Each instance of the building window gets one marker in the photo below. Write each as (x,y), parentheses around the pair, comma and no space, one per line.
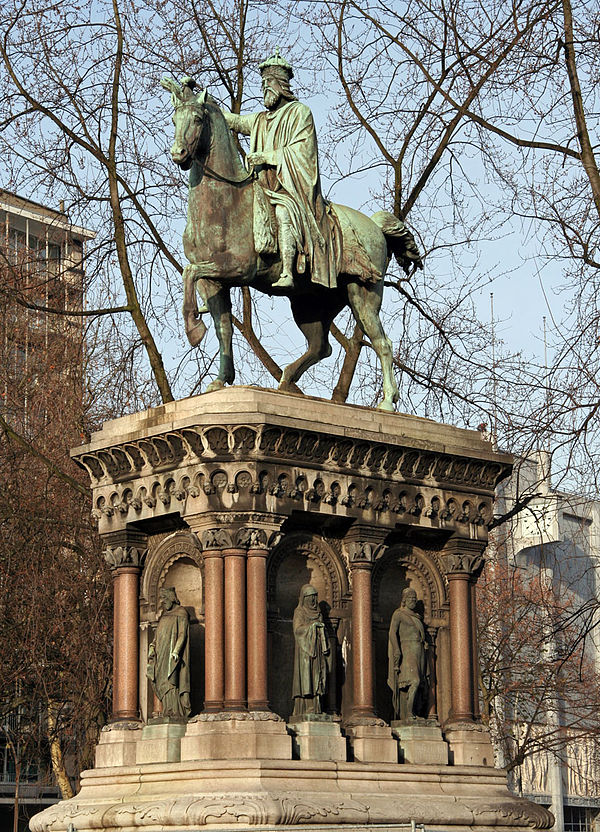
(577,819)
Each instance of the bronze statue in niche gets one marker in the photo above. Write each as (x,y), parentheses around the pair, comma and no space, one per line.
(310,654)
(407,667)
(169,657)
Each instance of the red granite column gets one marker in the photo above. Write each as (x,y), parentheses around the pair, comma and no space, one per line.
(257,629)
(125,562)
(474,647)
(214,675)
(461,647)
(235,629)
(463,564)
(362,640)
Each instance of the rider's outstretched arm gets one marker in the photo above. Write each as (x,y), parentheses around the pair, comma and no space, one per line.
(240,124)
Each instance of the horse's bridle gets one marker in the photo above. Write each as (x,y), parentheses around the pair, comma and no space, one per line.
(212,174)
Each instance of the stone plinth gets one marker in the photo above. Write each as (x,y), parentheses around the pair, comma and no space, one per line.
(318,739)
(160,742)
(421,743)
(236,736)
(470,745)
(372,743)
(117,745)
(190,796)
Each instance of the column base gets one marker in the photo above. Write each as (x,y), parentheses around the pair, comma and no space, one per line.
(470,744)
(371,741)
(161,741)
(421,743)
(117,744)
(237,735)
(317,738)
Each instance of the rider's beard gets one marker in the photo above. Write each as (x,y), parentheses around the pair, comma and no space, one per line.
(271,99)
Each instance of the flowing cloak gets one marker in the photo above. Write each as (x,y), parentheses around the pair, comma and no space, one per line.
(288,139)
(406,641)
(171,678)
(310,662)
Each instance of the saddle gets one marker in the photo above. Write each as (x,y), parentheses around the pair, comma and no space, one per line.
(351,257)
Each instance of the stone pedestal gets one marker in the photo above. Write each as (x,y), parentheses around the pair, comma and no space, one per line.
(117,744)
(421,743)
(372,743)
(236,736)
(470,745)
(160,742)
(317,739)
(237,499)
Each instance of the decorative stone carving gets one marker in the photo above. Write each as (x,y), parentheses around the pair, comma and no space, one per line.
(300,447)
(463,562)
(216,539)
(117,556)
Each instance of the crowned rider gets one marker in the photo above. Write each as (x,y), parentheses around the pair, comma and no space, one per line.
(283,150)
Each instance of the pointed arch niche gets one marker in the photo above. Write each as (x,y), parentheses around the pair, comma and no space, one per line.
(401,566)
(302,558)
(174,560)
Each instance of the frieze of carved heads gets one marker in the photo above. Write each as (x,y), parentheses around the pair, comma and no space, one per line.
(269,443)
(118,556)
(406,502)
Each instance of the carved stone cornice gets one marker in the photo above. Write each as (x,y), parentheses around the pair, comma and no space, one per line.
(120,556)
(190,445)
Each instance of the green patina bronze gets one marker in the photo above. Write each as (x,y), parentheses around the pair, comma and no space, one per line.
(268,226)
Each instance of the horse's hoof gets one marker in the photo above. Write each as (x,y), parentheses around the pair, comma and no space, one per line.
(386,406)
(217,384)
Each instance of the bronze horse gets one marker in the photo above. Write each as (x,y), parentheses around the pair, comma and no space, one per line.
(219,244)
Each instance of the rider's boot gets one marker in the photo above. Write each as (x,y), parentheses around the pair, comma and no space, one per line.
(287,250)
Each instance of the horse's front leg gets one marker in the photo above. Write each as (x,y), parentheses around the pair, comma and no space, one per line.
(218,301)
(195,328)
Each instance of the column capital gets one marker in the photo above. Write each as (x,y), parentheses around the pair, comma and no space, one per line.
(121,557)
(362,554)
(463,559)
(241,538)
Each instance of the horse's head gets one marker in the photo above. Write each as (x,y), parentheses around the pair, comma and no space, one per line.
(188,118)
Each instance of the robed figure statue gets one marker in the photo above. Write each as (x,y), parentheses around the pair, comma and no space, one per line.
(169,657)
(310,654)
(407,670)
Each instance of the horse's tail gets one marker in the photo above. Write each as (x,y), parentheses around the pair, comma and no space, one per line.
(400,241)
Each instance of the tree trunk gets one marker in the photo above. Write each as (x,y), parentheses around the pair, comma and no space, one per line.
(56,753)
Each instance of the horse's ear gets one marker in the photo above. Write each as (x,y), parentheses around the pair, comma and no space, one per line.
(171,85)
(201,97)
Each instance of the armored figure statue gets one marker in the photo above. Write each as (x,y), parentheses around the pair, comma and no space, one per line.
(310,654)
(406,658)
(283,151)
(169,657)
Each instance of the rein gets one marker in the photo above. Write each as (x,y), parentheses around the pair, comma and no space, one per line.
(218,177)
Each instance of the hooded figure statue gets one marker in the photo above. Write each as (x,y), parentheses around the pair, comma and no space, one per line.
(310,662)
(169,657)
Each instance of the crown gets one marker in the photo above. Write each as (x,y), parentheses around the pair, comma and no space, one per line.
(276,62)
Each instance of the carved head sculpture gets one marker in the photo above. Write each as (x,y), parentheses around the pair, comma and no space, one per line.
(276,74)
(309,597)
(409,598)
(168,598)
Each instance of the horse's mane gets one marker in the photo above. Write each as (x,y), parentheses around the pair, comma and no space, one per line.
(221,128)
